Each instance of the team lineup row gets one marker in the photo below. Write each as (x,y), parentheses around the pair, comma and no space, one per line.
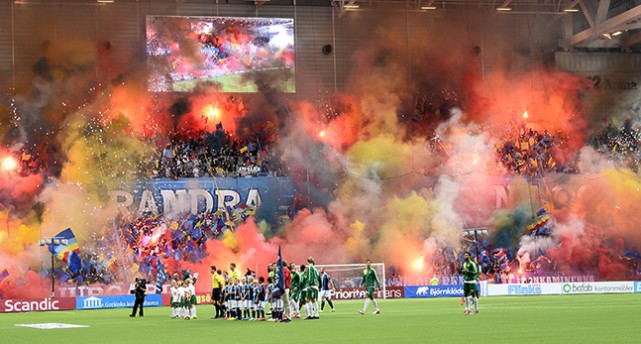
(288,291)
(289,288)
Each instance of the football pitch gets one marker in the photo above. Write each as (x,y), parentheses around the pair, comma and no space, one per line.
(528,319)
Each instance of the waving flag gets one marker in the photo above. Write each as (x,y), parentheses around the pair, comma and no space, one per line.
(541,225)
(279,277)
(500,258)
(4,275)
(161,277)
(69,253)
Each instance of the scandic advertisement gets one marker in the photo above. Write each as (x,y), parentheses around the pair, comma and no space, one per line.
(37,305)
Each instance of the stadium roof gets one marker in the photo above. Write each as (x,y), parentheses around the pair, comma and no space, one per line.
(586,23)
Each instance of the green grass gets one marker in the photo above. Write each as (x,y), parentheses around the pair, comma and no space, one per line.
(238,82)
(534,319)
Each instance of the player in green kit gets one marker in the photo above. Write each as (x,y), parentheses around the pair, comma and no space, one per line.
(295,289)
(303,291)
(312,279)
(371,282)
(470,280)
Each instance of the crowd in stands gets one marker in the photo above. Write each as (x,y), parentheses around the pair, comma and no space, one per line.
(619,144)
(528,154)
(33,159)
(142,245)
(217,154)
(181,238)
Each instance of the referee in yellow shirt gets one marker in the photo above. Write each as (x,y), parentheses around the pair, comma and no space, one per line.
(217,285)
(233,273)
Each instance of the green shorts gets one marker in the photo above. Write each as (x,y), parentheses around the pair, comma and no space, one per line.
(312,294)
(370,292)
(470,289)
(295,295)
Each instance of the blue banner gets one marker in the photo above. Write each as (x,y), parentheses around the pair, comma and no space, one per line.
(434,291)
(198,195)
(116,301)
(637,287)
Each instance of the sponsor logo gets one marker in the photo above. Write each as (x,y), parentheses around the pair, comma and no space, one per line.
(119,301)
(434,291)
(48,304)
(574,288)
(355,293)
(203,298)
(525,289)
(423,291)
(637,287)
(598,288)
(92,302)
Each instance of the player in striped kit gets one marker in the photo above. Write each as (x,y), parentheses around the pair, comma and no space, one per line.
(249,299)
(327,287)
(259,298)
(243,290)
(227,300)
(275,303)
(235,299)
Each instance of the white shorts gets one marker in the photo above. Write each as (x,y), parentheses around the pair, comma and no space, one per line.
(248,304)
(260,305)
(325,294)
(276,304)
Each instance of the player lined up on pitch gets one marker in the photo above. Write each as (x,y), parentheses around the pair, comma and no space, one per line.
(183,300)
(245,298)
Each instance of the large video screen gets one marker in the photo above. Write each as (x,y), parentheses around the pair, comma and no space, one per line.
(233,54)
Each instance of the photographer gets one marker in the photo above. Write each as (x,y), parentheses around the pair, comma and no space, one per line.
(139,292)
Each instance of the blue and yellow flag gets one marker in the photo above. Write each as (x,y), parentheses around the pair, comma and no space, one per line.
(69,253)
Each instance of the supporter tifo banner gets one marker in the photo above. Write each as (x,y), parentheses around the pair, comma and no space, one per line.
(111,289)
(500,192)
(562,288)
(359,293)
(117,301)
(37,305)
(206,194)
(197,195)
